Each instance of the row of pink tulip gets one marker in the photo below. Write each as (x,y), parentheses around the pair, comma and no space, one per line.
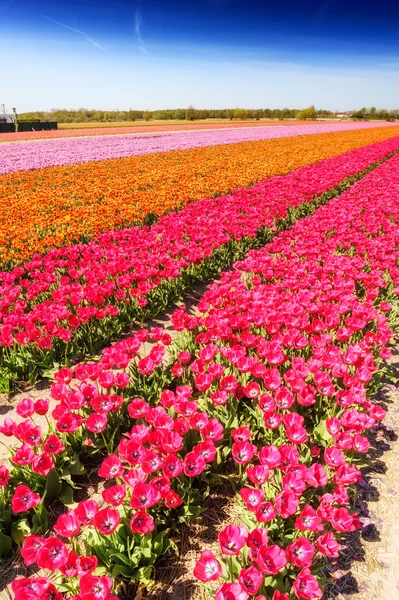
(72,301)
(277,369)
(307,319)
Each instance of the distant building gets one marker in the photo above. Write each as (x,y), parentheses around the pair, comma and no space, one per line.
(7,118)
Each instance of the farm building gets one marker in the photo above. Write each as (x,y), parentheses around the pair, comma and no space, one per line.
(7,118)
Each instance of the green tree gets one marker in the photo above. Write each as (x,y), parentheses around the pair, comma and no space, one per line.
(359,114)
(241,113)
(190,113)
(307,114)
(179,114)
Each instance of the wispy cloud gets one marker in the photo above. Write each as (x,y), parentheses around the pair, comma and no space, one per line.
(137,27)
(87,38)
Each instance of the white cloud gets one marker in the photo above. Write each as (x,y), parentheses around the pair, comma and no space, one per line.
(137,27)
(89,39)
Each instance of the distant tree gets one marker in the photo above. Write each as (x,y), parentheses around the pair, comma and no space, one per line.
(383,114)
(161,115)
(359,114)
(179,114)
(190,113)
(286,113)
(240,113)
(307,114)
(85,115)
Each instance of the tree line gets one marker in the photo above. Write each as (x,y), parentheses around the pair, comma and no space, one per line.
(84,115)
(376,114)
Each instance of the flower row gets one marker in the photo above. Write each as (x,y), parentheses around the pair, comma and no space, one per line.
(72,300)
(313,305)
(48,153)
(58,206)
(276,370)
(77,130)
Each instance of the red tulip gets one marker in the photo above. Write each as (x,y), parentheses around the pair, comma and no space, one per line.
(250,579)
(271,559)
(30,548)
(141,522)
(67,525)
(24,499)
(231,591)
(306,586)
(52,555)
(328,545)
(114,495)
(111,467)
(85,511)
(207,567)
(300,553)
(4,476)
(144,496)
(232,538)
(94,588)
(106,520)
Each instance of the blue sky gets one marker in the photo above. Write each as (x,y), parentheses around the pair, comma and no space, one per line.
(145,54)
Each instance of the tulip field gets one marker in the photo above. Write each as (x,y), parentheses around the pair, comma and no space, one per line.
(60,205)
(268,384)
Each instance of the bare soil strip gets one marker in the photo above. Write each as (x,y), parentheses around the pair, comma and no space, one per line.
(368,568)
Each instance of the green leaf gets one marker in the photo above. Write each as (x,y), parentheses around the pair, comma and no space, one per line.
(66,496)
(144,575)
(120,558)
(49,373)
(321,434)
(120,570)
(39,520)
(65,587)
(5,544)
(19,530)
(75,467)
(66,476)
(158,543)
(7,517)
(53,484)
(169,544)
(123,533)
(5,384)
(100,571)
(146,547)
(189,512)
